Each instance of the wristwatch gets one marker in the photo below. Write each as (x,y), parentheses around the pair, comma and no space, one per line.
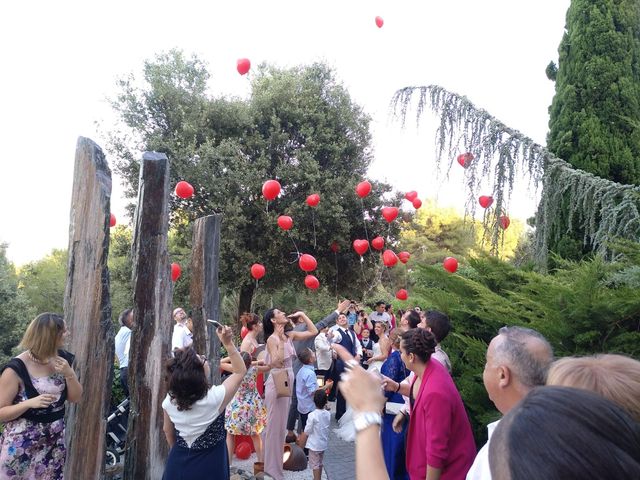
(364,420)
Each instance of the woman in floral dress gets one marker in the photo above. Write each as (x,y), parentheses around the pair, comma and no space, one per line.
(246,413)
(34,387)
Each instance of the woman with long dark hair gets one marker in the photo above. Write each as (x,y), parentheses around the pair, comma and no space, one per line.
(194,413)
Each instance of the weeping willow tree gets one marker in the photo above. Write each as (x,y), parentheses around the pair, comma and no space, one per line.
(571,199)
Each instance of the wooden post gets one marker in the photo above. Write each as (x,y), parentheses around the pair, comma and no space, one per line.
(87,309)
(204,292)
(147,447)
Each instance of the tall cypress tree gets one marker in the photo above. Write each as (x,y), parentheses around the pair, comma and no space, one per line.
(595,114)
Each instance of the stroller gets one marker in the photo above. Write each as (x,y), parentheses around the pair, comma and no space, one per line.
(116,433)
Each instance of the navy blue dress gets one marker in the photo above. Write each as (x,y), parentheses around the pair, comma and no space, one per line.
(392,442)
(207,457)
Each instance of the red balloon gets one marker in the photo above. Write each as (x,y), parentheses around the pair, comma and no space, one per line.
(411,196)
(389,258)
(311,282)
(378,243)
(404,256)
(243,450)
(402,294)
(450,264)
(379,22)
(313,200)
(285,222)
(464,159)
(243,332)
(417,203)
(363,189)
(243,66)
(271,189)
(360,246)
(258,271)
(176,271)
(390,213)
(112,220)
(485,201)
(505,222)
(335,247)
(307,262)
(184,189)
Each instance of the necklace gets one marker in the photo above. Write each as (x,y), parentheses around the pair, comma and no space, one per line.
(35,359)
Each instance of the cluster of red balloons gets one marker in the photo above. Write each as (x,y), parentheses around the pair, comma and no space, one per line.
(412,196)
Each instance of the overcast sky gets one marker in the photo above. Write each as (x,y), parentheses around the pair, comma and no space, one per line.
(61,61)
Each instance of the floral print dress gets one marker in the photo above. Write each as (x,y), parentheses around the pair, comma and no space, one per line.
(30,450)
(246,413)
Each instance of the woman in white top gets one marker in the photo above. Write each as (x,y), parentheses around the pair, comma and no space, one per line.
(380,349)
(193,423)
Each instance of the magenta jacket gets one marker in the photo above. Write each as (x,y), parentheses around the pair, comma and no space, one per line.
(439,429)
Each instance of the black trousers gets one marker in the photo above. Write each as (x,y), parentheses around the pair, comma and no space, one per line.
(293,411)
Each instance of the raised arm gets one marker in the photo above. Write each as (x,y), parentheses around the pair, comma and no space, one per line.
(238,369)
(311,331)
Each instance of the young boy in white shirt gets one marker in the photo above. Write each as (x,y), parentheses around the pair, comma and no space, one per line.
(316,433)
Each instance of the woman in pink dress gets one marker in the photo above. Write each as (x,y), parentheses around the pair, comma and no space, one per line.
(280,355)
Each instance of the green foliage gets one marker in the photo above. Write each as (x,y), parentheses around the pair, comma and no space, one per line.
(43,281)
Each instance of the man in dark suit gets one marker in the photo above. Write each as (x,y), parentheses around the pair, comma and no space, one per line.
(347,338)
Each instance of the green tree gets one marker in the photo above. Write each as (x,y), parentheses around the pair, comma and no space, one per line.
(595,114)
(43,281)
(299,126)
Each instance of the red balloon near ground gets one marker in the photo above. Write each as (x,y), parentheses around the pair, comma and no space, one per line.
(505,222)
(465,159)
(378,243)
(379,22)
(184,189)
(411,196)
(417,203)
(389,258)
(258,271)
(311,282)
(485,201)
(176,271)
(271,189)
(112,220)
(307,262)
(404,256)
(360,246)
(402,294)
(285,222)
(313,200)
(450,264)
(243,65)
(243,332)
(335,247)
(363,189)
(390,213)
(243,450)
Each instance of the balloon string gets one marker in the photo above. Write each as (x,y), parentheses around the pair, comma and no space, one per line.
(364,222)
(313,220)
(335,256)
(294,243)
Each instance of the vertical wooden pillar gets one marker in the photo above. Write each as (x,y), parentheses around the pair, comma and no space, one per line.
(87,309)
(147,448)
(204,291)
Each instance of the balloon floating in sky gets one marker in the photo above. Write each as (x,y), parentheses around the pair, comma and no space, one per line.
(411,196)
(313,200)
(243,66)
(505,222)
(285,222)
(417,203)
(464,159)
(390,213)
(112,220)
(311,282)
(402,294)
(271,189)
(389,258)
(176,271)
(307,262)
(335,247)
(360,246)
(450,264)
(485,201)
(363,189)
(379,22)
(404,256)
(378,243)
(243,450)
(184,190)
(258,271)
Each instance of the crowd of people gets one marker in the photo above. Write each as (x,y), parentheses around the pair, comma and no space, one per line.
(387,380)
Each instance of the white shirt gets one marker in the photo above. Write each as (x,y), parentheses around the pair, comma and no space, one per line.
(383,317)
(122,346)
(318,430)
(323,352)
(337,338)
(181,337)
(193,422)
(441,356)
(480,468)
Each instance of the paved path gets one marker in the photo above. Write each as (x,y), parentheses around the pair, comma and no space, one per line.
(340,458)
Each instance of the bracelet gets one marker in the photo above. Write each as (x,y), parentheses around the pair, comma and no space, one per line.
(397,389)
(363,420)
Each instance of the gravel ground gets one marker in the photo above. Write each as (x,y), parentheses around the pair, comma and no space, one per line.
(247,465)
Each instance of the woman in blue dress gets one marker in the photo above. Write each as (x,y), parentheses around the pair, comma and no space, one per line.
(392,442)
(194,413)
